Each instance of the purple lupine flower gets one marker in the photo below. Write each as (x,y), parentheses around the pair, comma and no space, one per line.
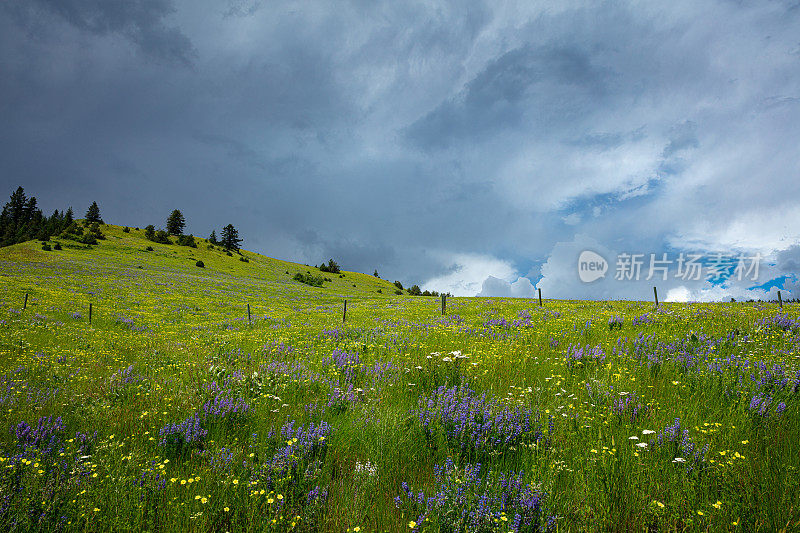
(584,355)
(46,436)
(316,495)
(181,437)
(471,499)
(475,422)
(223,407)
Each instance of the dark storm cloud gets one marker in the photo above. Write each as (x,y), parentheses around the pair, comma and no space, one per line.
(440,141)
(233,148)
(140,21)
(548,80)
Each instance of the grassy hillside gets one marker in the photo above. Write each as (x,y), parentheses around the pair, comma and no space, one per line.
(172,411)
(122,259)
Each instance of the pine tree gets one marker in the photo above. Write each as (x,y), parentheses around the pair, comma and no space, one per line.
(21,219)
(176,223)
(11,216)
(16,205)
(53,224)
(93,214)
(230,238)
(213,237)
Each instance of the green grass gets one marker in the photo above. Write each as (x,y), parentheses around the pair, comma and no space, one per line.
(186,333)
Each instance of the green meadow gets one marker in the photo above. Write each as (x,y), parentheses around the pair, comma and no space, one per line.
(175,410)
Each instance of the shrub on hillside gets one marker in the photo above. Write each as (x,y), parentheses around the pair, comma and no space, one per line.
(87,238)
(200,264)
(309,279)
(162,237)
(187,240)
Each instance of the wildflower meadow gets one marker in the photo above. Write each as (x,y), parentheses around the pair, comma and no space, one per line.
(234,397)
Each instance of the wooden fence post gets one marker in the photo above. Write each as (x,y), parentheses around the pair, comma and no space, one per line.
(655,294)
(90,313)
(780,300)
(248,315)
(540,297)
(344,313)
(25,305)
(444,303)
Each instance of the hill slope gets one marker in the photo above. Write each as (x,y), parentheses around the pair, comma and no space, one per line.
(122,275)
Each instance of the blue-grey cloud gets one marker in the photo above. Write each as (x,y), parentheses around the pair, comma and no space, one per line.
(524,84)
(142,22)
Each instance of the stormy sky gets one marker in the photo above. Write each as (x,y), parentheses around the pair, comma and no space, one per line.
(469,147)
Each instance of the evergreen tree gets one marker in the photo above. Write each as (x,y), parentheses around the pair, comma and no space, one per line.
(176,223)
(213,237)
(30,209)
(69,217)
(22,219)
(11,217)
(230,238)
(52,225)
(414,290)
(93,214)
(16,205)
(150,232)
(332,267)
